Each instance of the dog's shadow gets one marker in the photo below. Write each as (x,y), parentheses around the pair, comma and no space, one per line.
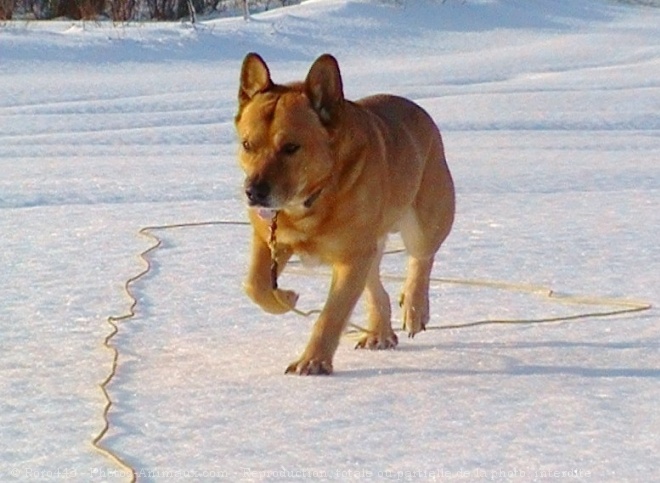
(503,363)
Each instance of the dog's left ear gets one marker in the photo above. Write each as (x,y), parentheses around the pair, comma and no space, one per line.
(324,89)
(255,78)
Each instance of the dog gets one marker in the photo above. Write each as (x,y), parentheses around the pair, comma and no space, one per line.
(337,177)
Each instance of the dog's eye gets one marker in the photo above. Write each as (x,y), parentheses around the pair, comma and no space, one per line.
(290,148)
(247,146)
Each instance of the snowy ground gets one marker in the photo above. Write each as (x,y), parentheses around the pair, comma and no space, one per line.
(550,112)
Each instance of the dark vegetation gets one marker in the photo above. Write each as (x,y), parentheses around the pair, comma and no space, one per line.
(127,10)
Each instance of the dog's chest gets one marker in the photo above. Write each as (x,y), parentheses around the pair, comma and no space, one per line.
(310,250)
(312,245)
(309,260)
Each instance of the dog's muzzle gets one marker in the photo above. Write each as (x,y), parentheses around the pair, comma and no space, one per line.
(258,193)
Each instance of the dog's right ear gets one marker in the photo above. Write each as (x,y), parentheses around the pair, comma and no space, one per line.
(255,78)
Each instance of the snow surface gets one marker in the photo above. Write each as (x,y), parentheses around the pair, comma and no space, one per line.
(550,112)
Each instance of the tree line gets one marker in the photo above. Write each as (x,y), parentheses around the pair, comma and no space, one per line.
(127,10)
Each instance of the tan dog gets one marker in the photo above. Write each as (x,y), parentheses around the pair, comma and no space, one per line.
(340,175)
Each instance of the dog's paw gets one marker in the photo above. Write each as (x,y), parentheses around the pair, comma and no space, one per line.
(276,301)
(378,341)
(310,367)
(415,313)
(286,299)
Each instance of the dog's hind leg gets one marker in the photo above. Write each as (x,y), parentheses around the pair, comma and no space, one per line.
(379,334)
(424,227)
(414,299)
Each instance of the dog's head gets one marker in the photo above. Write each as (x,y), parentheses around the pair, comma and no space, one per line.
(286,133)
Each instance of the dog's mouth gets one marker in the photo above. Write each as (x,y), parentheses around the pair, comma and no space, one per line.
(267,207)
(268,213)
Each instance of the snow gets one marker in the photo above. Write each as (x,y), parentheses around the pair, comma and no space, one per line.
(550,117)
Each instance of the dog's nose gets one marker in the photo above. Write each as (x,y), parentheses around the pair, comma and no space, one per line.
(258,193)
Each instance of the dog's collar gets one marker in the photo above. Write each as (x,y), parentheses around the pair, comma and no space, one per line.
(310,201)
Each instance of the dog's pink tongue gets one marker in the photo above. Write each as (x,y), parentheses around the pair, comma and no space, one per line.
(266,213)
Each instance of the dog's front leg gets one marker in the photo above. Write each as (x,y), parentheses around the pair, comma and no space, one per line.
(348,281)
(258,284)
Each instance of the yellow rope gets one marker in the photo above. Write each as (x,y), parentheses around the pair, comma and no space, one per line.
(619,306)
(113,322)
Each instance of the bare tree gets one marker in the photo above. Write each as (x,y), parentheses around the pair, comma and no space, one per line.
(79,9)
(122,10)
(6,9)
(192,12)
